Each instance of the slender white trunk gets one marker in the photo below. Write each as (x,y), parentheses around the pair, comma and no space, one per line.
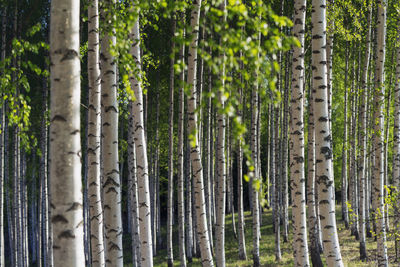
(378,134)
(284,147)
(110,164)
(311,189)
(181,197)
(241,232)
(300,247)
(277,186)
(362,171)
(221,171)
(65,147)
(323,136)
(93,136)
(345,212)
(202,226)
(189,211)
(253,180)
(171,154)
(146,247)
(132,191)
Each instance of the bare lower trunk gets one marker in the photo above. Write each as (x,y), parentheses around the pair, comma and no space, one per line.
(133,192)
(93,136)
(362,170)
(146,251)
(195,157)
(241,232)
(66,183)
(171,155)
(300,247)
(111,174)
(378,171)
(255,181)
(324,173)
(181,173)
(345,212)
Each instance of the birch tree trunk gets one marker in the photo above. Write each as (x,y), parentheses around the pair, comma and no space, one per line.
(254,179)
(345,212)
(272,163)
(202,227)
(171,154)
(277,200)
(300,247)
(208,170)
(65,147)
(362,171)
(181,197)
(133,192)
(111,174)
(241,232)
(284,160)
(189,211)
(221,169)
(146,246)
(312,219)
(323,151)
(378,171)
(93,136)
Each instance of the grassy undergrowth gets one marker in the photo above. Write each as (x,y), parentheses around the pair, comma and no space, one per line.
(349,246)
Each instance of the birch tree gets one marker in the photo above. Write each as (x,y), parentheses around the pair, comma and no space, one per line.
(65,148)
(300,247)
(378,172)
(363,140)
(181,197)
(171,154)
(133,193)
(110,161)
(146,247)
(241,233)
(93,136)
(195,157)
(324,174)
(221,169)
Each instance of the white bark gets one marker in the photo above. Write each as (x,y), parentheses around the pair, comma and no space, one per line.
(241,232)
(133,192)
(323,151)
(93,136)
(65,147)
(110,164)
(362,171)
(300,247)
(378,172)
(146,247)
(221,170)
(345,212)
(254,178)
(181,197)
(170,205)
(202,227)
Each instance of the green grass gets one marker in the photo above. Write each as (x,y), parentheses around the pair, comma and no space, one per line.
(349,246)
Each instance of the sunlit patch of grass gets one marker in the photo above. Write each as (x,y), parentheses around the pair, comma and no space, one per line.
(349,246)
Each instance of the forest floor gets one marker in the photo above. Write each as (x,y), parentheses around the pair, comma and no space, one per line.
(349,246)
